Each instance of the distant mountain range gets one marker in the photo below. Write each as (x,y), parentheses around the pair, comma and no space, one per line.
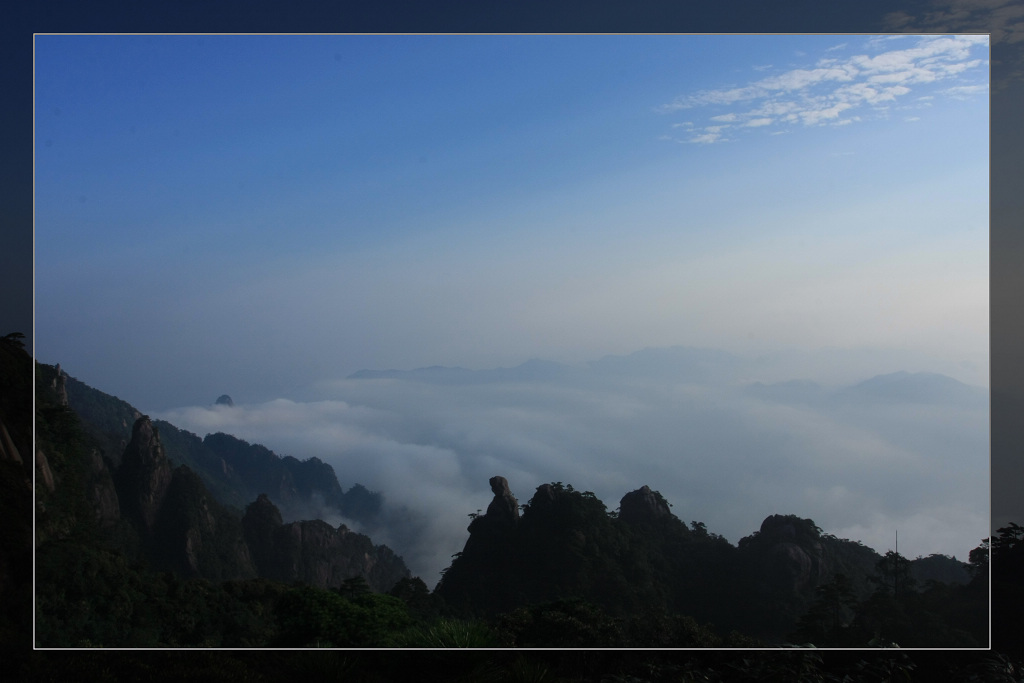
(898,387)
(707,366)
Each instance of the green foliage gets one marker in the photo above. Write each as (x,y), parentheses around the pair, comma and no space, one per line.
(91,597)
(577,623)
(448,633)
(893,574)
(313,617)
(561,624)
(825,622)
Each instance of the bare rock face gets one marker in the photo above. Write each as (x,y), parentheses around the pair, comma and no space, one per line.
(504,509)
(643,506)
(795,552)
(224,400)
(144,475)
(102,493)
(60,386)
(44,471)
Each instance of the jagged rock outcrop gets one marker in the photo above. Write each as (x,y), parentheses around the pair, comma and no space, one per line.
(504,509)
(144,476)
(797,562)
(315,552)
(224,400)
(101,491)
(644,506)
(502,512)
(60,386)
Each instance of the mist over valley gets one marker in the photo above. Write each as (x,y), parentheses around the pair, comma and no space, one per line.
(899,450)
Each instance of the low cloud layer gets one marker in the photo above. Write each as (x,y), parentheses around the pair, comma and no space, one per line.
(908,453)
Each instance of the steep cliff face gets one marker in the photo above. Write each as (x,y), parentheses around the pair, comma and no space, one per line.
(101,491)
(315,552)
(60,386)
(144,476)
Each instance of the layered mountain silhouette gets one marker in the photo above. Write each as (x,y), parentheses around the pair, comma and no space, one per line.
(116,488)
(153,501)
(642,559)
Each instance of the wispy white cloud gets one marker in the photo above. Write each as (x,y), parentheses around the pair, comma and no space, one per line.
(835,89)
(966,91)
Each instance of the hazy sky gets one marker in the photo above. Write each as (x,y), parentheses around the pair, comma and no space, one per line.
(264,215)
(250,214)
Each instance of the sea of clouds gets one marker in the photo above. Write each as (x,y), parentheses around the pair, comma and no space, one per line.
(727,441)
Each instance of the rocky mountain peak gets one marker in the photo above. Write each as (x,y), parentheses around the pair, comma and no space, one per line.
(643,506)
(144,475)
(502,512)
(792,545)
(504,508)
(789,528)
(224,400)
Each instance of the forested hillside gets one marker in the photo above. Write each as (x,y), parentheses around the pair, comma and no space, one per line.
(641,561)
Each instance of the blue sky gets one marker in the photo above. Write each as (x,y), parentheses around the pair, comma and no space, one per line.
(320,204)
(263,216)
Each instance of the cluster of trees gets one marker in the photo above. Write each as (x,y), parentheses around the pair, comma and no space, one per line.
(653,581)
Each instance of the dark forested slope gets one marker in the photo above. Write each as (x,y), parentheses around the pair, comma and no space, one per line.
(643,560)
